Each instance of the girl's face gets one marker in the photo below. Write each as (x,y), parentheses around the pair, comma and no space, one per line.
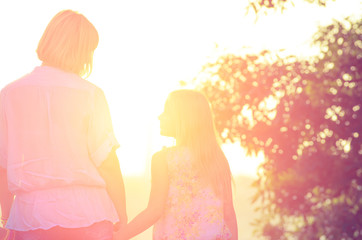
(167,123)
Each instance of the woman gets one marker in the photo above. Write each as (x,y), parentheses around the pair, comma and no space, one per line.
(57,147)
(191,195)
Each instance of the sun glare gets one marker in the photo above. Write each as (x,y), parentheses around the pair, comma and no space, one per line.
(144,52)
(149,48)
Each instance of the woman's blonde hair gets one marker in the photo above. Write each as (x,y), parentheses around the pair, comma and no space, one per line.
(194,128)
(68,43)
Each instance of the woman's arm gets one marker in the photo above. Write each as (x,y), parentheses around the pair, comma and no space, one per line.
(229,213)
(6,197)
(156,203)
(111,173)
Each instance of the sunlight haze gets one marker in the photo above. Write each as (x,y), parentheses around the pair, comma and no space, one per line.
(147,47)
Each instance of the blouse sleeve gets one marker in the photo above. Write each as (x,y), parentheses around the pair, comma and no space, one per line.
(101,139)
(3,133)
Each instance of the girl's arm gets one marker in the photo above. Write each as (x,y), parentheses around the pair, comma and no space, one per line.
(157,200)
(229,213)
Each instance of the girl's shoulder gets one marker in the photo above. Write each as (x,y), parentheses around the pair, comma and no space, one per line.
(176,158)
(163,152)
(167,151)
(163,155)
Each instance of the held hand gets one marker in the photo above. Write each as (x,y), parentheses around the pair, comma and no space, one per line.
(120,234)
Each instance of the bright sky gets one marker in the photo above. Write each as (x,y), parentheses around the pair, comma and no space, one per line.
(147,47)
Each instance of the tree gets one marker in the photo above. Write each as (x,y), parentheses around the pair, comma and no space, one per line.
(262,6)
(305,115)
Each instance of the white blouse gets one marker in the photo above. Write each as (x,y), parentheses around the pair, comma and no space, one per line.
(55,130)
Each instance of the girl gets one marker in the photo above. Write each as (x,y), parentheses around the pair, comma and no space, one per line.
(191,197)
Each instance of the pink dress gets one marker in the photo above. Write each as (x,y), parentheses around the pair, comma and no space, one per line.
(55,130)
(193,211)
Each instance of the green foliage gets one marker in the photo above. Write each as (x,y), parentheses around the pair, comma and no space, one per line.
(305,115)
